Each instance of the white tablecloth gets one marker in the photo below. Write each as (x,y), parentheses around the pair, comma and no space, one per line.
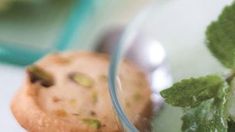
(10,80)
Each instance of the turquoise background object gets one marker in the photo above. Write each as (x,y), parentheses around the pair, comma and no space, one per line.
(28,32)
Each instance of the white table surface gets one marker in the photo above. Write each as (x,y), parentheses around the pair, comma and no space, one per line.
(10,80)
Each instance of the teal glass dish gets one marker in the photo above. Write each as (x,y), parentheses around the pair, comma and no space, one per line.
(30,30)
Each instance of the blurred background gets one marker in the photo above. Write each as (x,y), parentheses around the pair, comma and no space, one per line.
(29,29)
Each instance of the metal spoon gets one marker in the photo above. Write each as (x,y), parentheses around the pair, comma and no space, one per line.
(148,54)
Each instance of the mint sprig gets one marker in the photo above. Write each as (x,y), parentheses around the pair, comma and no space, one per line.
(221,37)
(205,103)
(191,92)
(205,100)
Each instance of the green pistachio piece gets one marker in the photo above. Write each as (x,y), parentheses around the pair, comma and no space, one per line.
(73,102)
(94,123)
(37,74)
(137,96)
(82,79)
(94,97)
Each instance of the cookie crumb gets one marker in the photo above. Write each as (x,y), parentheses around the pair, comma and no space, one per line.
(56,99)
(93,113)
(60,113)
(75,114)
(128,104)
(103,78)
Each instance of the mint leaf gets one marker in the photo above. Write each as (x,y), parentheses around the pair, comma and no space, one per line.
(231,126)
(221,37)
(205,102)
(191,92)
(209,116)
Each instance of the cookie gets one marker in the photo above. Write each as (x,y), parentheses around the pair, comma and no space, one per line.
(68,92)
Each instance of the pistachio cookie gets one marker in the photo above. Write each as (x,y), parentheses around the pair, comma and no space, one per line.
(68,92)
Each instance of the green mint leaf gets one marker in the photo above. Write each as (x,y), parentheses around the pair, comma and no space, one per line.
(209,116)
(205,102)
(191,92)
(221,37)
(231,126)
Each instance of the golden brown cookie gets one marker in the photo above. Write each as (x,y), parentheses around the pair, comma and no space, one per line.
(68,92)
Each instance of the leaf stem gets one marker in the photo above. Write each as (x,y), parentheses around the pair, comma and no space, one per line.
(230,77)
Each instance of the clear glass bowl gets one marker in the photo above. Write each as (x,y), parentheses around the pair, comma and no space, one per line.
(179,27)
